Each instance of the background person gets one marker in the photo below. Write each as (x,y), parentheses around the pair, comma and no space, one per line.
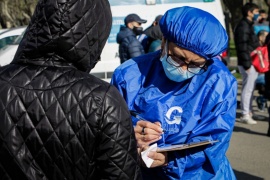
(260,81)
(267,83)
(186,91)
(262,22)
(152,36)
(129,45)
(57,120)
(246,41)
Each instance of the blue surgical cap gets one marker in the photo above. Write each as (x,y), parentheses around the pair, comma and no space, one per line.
(195,30)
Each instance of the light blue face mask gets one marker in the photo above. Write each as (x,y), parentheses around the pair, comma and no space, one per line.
(255,17)
(176,74)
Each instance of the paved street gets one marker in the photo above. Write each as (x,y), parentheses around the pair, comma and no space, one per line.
(249,151)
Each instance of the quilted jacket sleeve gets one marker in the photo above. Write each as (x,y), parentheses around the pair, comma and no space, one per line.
(242,40)
(117,153)
(135,48)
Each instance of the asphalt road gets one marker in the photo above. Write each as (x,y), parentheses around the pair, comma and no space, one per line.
(249,151)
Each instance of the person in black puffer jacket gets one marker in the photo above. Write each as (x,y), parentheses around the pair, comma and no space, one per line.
(58,121)
(129,45)
(245,42)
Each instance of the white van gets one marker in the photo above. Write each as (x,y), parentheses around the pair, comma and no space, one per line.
(146,9)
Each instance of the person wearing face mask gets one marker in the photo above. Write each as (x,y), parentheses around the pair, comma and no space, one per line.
(181,94)
(246,41)
(152,36)
(129,45)
(261,23)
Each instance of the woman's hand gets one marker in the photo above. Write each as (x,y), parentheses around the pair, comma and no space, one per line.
(147,132)
(160,159)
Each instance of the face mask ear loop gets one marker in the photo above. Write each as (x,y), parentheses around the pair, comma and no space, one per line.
(165,49)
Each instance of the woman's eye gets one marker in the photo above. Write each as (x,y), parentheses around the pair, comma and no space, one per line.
(182,58)
(179,59)
(193,66)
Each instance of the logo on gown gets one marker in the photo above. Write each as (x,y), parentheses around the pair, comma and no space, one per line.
(173,115)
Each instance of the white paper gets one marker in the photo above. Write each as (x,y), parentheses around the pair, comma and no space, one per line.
(148,161)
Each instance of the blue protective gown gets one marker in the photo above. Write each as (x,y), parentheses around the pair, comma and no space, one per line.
(197,109)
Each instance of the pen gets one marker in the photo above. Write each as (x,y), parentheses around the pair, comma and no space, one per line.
(136,115)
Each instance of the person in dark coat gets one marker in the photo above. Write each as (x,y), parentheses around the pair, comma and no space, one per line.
(129,45)
(246,41)
(152,36)
(57,120)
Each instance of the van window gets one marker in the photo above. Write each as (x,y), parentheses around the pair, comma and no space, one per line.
(7,40)
(18,39)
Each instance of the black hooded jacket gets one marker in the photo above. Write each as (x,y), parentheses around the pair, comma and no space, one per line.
(152,34)
(58,121)
(129,45)
(245,42)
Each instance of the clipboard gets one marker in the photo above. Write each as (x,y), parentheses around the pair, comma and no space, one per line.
(178,147)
